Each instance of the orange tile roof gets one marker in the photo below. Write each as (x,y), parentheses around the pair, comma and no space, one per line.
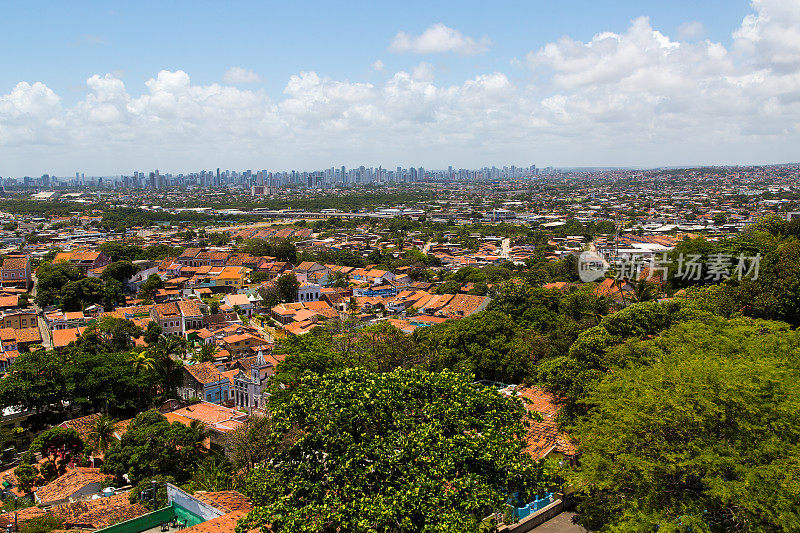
(189,308)
(62,337)
(169,309)
(15,262)
(204,372)
(226,501)
(9,301)
(82,425)
(543,436)
(68,484)
(223,524)
(18,518)
(216,416)
(29,335)
(99,513)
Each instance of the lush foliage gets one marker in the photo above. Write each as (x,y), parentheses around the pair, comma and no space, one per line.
(151,445)
(400,451)
(706,438)
(86,376)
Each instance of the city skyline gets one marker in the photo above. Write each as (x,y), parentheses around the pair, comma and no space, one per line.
(104,89)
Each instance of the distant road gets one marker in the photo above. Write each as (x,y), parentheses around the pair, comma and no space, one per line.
(44,331)
(505,248)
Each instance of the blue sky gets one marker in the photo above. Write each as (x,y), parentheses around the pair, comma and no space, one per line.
(63,43)
(518,82)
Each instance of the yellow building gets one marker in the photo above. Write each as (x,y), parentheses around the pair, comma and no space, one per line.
(232,277)
(19,319)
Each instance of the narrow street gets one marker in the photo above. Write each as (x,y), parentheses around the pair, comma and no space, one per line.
(44,331)
(505,248)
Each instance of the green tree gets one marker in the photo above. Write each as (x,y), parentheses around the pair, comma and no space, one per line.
(245,444)
(400,451)
(120,332)
(152,445)
(481,344)
(43,524)
(287,286)
(206,353)
(269,296)
(143,492)
(58,443)
(167,354)
(257,276)
(79,294)
(603,349)
(151,285)
(121,271)
(707,438)
(101,435)
(27,477)
(101,380)
(215,473)
(35,382)
(152,333)
(51,278)
(449,287)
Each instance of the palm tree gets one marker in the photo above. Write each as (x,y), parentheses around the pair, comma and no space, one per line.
(206,353)
(102,433)
(141,362)
(168,354)
(173,345)
(201,431)
(644,291)
(352,305)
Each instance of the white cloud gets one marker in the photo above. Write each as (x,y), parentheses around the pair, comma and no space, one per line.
(637,97)
(691,30)
(423,72)
(378,66)
(239,75)
(437,39)
(771,36)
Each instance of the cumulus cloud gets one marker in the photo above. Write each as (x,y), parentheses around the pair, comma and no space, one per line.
(772,34)
(423,72)
(378,66)
(438,39)
(237,75)
(691,30)
(637,97)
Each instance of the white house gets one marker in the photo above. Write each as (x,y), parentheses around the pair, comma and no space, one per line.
(308,292)
(248,387)
(244,303)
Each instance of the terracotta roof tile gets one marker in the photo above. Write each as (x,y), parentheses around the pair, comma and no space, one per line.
(204,372)
(543,436)
(68,484)
(226,501)
(99,513)
(223,524)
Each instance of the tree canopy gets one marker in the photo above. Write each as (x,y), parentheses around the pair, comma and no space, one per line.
(400,451)
(706,438)
(151,445)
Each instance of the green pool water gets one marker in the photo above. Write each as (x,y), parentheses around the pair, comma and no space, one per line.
(182,514)
(152,521)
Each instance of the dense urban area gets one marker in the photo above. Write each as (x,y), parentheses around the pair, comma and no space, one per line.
(401,350)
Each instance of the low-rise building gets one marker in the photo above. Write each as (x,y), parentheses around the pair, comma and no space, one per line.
(205,381)
(16,272)
(249,387)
